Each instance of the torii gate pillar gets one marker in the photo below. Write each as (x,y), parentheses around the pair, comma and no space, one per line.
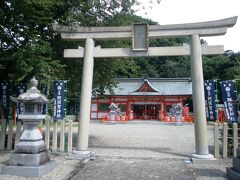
(85,101)
(200,123)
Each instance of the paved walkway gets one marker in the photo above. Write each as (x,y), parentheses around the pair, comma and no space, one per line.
(137,150)
(147,150)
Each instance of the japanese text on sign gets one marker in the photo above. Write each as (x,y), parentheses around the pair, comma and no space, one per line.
(229,94)
(59,96)
(5,95)
(45,91)
(21,88)
(210,98)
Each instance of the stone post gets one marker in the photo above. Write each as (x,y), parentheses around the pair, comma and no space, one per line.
(85,102)
(70,136)
(216,140)
(200,125)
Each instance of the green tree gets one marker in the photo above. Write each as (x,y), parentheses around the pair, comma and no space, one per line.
(29,46)
(223,67)
(26,27)
(26,40)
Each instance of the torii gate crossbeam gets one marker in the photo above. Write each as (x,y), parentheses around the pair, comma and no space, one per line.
(210,28)
(192,30)
(152,51)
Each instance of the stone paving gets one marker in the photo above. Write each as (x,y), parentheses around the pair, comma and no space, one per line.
(111,168)
(65,169)
(137,150)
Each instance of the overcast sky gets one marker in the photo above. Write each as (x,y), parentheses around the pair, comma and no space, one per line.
(187,11)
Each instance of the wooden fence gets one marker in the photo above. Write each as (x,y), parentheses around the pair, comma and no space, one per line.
(58,135)
(225,140)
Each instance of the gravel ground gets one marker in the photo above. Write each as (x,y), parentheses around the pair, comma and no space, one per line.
(142,140)
(136,150)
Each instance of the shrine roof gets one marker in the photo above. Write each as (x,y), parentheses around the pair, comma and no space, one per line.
(152,86)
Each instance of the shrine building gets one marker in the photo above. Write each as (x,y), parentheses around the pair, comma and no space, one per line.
(144,98)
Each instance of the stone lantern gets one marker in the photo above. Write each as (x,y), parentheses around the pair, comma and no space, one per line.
(178,113)
(30,156)
(113,112)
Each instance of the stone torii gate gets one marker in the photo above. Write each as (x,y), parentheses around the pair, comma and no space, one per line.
(140,35)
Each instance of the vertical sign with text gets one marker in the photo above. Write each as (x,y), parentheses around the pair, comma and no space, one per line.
(20,88)
(229,93)
(45,91)
(210,99)
(5,89)
(59,100)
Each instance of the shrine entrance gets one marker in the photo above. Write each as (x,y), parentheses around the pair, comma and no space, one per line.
(140,35)
(146,111)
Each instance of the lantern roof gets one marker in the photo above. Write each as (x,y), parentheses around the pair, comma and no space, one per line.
(32,94)
(113,106)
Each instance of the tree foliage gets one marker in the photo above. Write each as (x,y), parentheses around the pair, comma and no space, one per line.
(29,46)
(26,40)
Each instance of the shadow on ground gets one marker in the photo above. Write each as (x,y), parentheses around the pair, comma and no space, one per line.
(152,149)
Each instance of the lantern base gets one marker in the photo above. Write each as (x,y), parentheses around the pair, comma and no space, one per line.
(29,171)
(23,159)
(30,147)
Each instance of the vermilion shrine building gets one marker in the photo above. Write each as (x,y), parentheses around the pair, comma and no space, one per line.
(142,99)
